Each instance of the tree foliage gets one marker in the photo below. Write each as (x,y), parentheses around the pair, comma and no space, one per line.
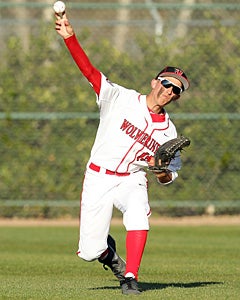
(45,159)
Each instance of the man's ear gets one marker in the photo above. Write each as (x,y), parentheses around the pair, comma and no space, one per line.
(153,83)
(175,97)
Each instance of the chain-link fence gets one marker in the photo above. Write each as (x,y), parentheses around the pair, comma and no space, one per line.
(48,116)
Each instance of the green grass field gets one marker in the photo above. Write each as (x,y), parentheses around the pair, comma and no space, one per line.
(198,262)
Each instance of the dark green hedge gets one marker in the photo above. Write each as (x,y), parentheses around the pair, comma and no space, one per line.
(45,159)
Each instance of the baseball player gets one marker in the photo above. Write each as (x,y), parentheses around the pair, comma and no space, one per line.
(132,126)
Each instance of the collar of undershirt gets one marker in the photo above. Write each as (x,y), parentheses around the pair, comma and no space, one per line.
(157,117)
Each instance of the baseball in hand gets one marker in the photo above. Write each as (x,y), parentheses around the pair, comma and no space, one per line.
(59,7)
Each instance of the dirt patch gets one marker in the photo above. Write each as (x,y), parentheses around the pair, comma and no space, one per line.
(161,221)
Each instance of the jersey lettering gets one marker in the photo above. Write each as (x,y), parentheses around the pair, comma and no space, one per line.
(137,134)
(144,157)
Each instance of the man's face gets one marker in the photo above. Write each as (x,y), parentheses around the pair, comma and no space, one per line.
(166,89)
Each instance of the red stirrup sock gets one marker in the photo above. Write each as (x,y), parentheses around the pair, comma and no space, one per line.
(135,243)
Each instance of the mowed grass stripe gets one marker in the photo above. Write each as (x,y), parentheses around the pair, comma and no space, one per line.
(180,262)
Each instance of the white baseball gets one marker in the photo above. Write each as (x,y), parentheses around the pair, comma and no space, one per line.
(59,7)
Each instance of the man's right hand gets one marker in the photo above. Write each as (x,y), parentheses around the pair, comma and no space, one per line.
(63,26)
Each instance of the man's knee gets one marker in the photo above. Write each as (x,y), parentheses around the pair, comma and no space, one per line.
(90,251)
(87,256)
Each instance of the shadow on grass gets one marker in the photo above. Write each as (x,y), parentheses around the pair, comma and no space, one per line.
(159,286)
(146,286)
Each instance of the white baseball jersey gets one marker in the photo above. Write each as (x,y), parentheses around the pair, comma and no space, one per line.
(128,134)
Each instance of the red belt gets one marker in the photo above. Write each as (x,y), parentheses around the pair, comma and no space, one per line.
(96,168)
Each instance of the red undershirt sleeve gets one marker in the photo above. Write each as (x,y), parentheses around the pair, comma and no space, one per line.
(88,70)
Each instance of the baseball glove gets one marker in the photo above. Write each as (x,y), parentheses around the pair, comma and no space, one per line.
(166,152)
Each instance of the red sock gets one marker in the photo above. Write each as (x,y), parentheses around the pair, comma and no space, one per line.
(135,243)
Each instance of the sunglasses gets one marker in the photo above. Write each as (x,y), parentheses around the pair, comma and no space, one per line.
(167,84)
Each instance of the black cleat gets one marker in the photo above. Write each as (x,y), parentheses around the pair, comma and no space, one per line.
(113,260)
(130,286)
